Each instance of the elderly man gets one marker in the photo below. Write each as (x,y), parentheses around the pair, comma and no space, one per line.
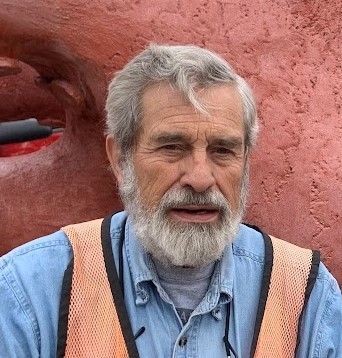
(176,274)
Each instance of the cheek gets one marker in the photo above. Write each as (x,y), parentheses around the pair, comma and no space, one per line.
(154,180)
(230,186)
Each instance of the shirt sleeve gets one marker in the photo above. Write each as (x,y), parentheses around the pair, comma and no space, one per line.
(329,334)
(18,338)
(31,278)
(321,329)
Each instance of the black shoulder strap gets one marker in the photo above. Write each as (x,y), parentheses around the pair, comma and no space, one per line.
(316,259)
(64,310)
(265,285)
(115,284)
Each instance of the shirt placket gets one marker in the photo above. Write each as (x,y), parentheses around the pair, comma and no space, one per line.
(187,341)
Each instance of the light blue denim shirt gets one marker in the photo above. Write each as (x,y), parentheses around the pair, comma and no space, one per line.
(30,287)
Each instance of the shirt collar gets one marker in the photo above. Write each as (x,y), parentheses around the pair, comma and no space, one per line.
(221,287)
(139,261)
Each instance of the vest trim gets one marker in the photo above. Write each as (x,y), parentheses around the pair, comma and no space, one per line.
(265,286)
(310,284)
(116,287)
(64,310)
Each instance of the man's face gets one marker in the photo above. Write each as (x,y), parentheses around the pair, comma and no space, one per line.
(178,147)
(185,183)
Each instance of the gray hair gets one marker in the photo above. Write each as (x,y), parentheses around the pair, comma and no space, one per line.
(186,68)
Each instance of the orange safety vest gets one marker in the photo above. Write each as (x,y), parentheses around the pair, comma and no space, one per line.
(93,320)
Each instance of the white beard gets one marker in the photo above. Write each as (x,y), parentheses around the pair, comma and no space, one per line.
(178,243)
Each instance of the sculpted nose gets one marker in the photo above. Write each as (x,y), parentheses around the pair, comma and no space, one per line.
(197,173)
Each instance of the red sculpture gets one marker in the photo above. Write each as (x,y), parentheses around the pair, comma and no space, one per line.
(56,59)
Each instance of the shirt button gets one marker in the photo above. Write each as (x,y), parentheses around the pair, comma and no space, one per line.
(183,341)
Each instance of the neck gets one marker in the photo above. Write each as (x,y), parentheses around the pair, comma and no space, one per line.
(182,273)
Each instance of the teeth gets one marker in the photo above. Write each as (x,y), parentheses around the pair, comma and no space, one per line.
(197,211)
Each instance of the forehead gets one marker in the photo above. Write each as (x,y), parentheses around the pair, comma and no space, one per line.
(164,108)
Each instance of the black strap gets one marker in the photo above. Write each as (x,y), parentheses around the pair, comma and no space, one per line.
(115,285)
(309,286)
(64,310)
(265,286)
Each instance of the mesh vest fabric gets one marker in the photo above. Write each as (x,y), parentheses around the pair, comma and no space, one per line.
(289,277)
(93,325)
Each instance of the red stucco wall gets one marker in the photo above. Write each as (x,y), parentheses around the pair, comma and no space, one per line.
(290,51)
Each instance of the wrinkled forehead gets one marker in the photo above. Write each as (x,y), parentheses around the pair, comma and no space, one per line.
(162,102)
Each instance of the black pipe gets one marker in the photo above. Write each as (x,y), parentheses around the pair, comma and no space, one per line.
(24,130)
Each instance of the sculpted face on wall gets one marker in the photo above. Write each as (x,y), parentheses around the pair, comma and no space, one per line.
(67,52)
(42,78)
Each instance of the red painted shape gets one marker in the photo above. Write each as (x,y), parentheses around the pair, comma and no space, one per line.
(289,51)
(15,149)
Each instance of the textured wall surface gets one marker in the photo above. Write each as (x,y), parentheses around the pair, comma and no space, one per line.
(290,51)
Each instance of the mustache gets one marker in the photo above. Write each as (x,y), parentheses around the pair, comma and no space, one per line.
(178,197)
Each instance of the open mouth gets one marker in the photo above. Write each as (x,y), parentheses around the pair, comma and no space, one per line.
(200,214)
(31,117)
(43,81)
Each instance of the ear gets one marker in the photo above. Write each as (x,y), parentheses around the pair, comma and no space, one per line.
(114,155)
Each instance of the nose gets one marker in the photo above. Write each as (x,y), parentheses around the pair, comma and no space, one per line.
(197,172)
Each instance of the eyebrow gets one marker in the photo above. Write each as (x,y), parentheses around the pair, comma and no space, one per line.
(167,137)
(162,138)
(229,142)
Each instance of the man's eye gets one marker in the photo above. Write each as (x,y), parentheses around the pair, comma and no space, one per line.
(171,147)
(222,151)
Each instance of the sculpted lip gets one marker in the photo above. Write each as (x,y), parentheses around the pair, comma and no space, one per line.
(194,213)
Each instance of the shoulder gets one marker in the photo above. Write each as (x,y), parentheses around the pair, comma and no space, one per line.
(249,243)
(37,252)
(117,224)
(34,271)
(326,291)
(49,253)
(321,333)
(31,278)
